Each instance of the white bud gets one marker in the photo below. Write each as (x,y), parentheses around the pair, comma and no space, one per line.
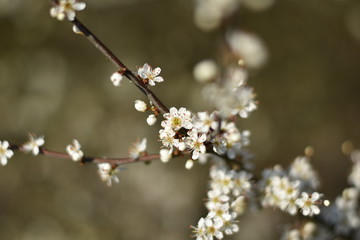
(205,71)
(189,164)
(116,79)
(140,106)
(165,155)
(326,203)
(151,120)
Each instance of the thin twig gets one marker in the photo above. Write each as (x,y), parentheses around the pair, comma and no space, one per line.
(85,159)
(122,68)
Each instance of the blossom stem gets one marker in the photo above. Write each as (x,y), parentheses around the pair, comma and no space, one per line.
(123,69)
(85,159)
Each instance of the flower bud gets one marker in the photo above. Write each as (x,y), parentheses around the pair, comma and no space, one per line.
(151,120)
(189,164)
(140,106)
(116,79)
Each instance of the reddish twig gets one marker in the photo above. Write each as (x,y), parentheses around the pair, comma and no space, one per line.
(113,161)
(138,82)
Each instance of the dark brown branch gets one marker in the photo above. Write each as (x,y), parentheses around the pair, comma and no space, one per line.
(122,68)
(85,159)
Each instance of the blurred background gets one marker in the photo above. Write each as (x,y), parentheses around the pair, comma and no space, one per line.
(54,83)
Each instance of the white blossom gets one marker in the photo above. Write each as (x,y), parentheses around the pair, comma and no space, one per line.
(221,179)
(167,137)
(107,173)
(116,79)
(5,152)
(74,150)
(215,198)
(137,148)
(33,144)
(207,229)
(242,183)
(147,73)
(248,47)
(204,122)
(177,119)
(308,203)
(196,143)
(239,205)
(209,13)
(230,227)
(302,170)
(66,8)
(236,77)
(220,213)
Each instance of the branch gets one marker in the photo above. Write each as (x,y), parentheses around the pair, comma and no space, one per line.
(123,69)
(85,159)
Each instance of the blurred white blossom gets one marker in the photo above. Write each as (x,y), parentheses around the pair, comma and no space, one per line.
(137,148)
(248,47)
(74,150)
(33,144)
(5,152)
(107,173)
(205,71)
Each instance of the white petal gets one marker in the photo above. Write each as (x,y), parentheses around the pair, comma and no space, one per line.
(35,151)
(195,154)
(5,144)
(152,83)
(315,196)
(202,138)
(158,79)
(40,141)
(3,160)
(315,209)
(219,235)
(79,6)
(9,153)
(202,149)
(306,211)
(70,15)
(156,71)
(53,11)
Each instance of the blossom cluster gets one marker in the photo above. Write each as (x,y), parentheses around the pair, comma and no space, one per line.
(226,201)
(215,136)
(344,215)
(307,231)
(201,132)
(286,189)
(233,97)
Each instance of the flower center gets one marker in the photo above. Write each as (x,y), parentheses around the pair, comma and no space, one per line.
(176,122)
